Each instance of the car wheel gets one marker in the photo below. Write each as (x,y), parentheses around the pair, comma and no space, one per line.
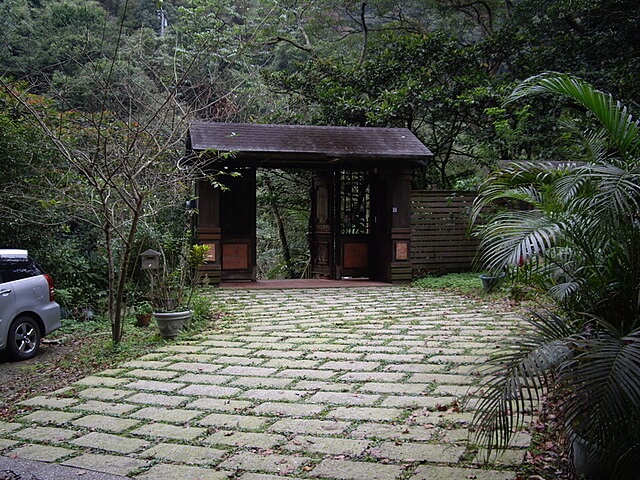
(23,340)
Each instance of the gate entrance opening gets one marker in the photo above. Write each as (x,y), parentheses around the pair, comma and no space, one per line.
(360,196)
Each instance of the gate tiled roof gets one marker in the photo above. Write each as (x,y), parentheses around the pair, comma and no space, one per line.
(274,145)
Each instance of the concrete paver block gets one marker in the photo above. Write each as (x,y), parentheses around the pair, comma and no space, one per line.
(184,453)
(106,423)
(46,434)
(309,426)
(42,453)
(236,438)
(110,442)
(49,417)
(165,471)
(242,422)
(163,430)
(348,470)
(282,464)
(114,464)
(327,445)
(428,472)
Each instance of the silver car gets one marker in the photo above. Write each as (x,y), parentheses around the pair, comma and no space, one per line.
(28,310)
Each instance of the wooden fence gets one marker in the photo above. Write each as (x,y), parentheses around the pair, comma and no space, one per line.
(440,240)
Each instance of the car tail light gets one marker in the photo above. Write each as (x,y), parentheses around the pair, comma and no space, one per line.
(52,290)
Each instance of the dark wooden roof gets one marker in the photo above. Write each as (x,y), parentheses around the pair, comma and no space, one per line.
(305,145)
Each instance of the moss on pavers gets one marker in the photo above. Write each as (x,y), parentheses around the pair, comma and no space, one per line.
(108,408)
(105,423)
(339,398)
(101,381)
(403,388)
(41,453)
(393,432)
(155,386)
(288,409)
(264,476)
(111,443)
(209,391)
(259,382)
(181,472)
(45,434)
(372,377)
(297,364)
(235,438)
(268,462)
(307,373)
(4,443)
(316,385)
(114,464)
(375,414)
(350,365)
(428,472)
(275,395)
(176,432)
(327,445)
(349,470)
(158,399)
(104,394)
(309,426)
(406,401)
(242,422)
(168,415)
(44,401)
(204,378)
(267,383)
(151,374)
(195,367)
(51,417)
(188,454)
(421,452)
(220,404)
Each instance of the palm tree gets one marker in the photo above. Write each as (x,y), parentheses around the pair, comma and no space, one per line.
(578,239)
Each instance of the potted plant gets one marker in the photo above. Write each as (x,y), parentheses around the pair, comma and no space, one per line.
(173,290)
(580,242)
(143,311)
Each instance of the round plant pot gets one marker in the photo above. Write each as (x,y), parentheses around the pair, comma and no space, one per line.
(584,460)
(143,320)
(489,282)
(172,323)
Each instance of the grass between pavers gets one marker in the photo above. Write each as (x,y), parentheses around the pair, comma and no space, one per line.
(173,355)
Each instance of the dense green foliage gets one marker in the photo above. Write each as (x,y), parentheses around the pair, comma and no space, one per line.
(88,166)
(578,242)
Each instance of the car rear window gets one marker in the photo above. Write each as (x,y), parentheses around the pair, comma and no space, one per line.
(12,269)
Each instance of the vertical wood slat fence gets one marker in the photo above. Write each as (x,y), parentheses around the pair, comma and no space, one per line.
(440,240)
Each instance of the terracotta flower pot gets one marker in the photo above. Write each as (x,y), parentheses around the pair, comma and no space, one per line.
(142,320)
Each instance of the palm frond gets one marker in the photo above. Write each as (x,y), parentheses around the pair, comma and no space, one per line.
(516,380)
(622,129)
(513,238)
(606,377)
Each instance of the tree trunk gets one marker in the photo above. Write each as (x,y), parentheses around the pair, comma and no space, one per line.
(286,251)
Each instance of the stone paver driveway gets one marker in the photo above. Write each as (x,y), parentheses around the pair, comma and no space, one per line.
(348,384)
